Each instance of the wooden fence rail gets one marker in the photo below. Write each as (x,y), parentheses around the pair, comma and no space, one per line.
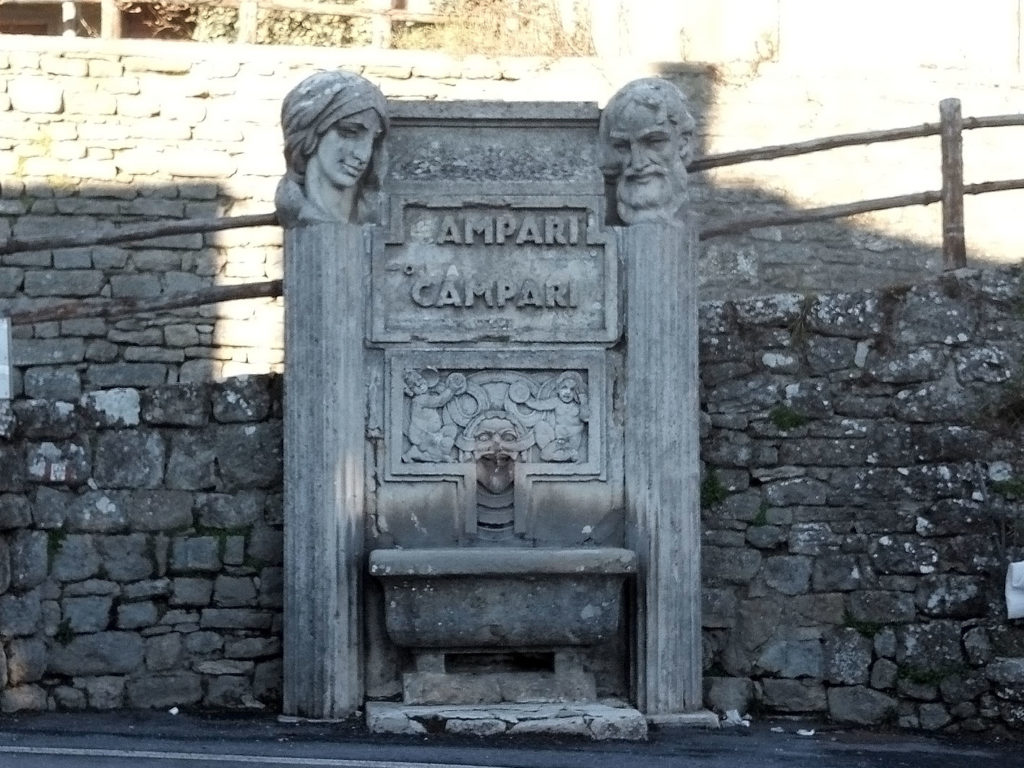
(949,128)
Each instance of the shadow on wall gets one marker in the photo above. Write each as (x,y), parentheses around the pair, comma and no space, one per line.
(60,360)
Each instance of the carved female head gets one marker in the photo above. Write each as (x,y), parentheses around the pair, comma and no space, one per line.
(334,123)
(646,135)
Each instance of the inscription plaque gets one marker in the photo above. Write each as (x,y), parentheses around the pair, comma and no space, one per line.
(536,272)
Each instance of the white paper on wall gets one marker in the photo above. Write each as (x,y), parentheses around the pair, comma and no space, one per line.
(1015,590)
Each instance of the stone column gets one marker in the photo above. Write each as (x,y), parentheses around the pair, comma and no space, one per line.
(646,135)
(334,124)
(662,463)
(326,268)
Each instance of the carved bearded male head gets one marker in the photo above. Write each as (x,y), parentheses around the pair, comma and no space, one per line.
(646,135)
(333,124)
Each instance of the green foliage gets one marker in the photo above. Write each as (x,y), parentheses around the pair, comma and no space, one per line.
(866,628)
(55,541)
(711,490)
(761,518)
(218,24)
(786,418)
(64,633)
(1012,488)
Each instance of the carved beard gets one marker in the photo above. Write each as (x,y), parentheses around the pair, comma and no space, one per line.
(657,197)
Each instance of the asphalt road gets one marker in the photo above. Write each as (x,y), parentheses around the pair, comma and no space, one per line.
(160,740)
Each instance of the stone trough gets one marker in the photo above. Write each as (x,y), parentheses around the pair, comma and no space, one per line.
(489,625)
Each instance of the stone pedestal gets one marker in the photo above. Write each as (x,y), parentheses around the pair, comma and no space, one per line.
(325,287)
(662,450)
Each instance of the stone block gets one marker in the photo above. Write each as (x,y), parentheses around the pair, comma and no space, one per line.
(46,419)
(230,511)
(163,690)
(66,463)
(29,352)
(96,512)
(131,458)
(724,693)
(191,591)
(195,553)
(15,511)
(266,545)
(790,575)
(203,643)
(249,455)
(229,692)
(126,558)
(879,607)
(126,375)
(271,587)
(858,705)
(163,652)
(75,558)
(793,695)
(235,618)
(884,674)
(836,573)
(796,492)
(23,698)
(26,660)
(176,405)
(87,614)
(29,558)
(159,510)
(848,657)
(791,659)
(903,554)
(21,614)
(234,592)
(930,647)
(104,692)
(5,568)
(252,647)
(102,653)
(52,383)
(11,279)
(69,699)
(146,589)
(242,399)
(12,469)
(36,95)
(193,461)
(952,596)
(136,615)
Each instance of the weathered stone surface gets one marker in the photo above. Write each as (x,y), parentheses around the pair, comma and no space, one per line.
(67,463)
(231,511)
(159,510)
(848,657)
(791,658)
(126,558)
(87,614)
(249,455)
(858,705)
(129,459)
(179,405)
(165,690)
(195,553)
(103,653)
(116,408)
(931,647)
(21,614)
(76,558)
(29,558)
(793,695)
(790,575)
(951,596)
(241,399)
(136,615)
(95,512)
(104,691)
(26,660)
(163,652)
(23,698)
(46,419)
(882,607)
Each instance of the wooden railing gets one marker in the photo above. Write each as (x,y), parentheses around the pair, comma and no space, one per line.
(381,13)
(949,129)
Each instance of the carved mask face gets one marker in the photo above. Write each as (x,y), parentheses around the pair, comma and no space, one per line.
(344,152)
(648,162)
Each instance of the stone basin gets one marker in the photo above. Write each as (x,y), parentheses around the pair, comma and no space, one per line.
(502,597)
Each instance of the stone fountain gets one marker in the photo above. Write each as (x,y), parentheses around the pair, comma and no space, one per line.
(491,468)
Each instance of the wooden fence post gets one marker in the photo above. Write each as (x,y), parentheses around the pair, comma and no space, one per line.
(248,18)
(380,24)
(5,359)
(954,247)
(110,20)
(69,17)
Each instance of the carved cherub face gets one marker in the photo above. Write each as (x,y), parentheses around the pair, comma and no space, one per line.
(344,151)
(645,133)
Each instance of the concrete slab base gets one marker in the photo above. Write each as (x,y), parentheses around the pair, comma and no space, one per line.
(703,718)
(589,720)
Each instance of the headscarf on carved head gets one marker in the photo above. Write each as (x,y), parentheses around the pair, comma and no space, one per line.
(309,111)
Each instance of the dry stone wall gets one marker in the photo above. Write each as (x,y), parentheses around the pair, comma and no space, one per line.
(863,473)
(100,133)
(140,564)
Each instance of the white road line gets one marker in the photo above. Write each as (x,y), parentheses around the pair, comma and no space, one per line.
(129,754)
